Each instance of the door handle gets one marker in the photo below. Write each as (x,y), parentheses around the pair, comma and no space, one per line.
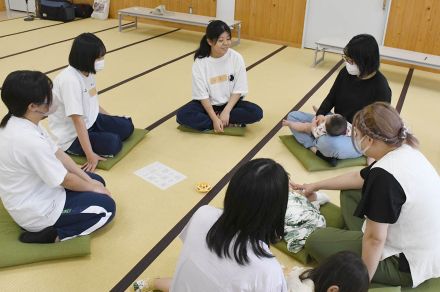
(384,4)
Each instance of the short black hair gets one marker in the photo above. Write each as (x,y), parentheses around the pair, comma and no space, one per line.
(21,88)
(86,48)
(336,125)
(344,269)
(254,210)
(364,51)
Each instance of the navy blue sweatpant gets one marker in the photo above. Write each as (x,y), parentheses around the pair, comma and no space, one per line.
(194,115)
(106,135)
(84,212)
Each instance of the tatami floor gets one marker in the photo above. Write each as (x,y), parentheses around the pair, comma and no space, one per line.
(148,76)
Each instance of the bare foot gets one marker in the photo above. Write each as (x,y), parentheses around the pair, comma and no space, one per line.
(315,108)
(298,126)
(287,123)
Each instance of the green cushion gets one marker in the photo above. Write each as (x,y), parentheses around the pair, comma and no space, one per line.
(311,162)
(432,285)
(13,252)
(230,131)
(302,256)
(127,145)
(333,218)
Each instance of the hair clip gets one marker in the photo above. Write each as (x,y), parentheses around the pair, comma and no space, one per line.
(403,132)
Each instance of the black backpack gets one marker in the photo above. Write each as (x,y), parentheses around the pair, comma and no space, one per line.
(61,10)
(83,10)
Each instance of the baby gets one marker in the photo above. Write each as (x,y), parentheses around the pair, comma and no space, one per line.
(302,217)
(334,125)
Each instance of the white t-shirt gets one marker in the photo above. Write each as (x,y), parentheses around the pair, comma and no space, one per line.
(218,78)
(74,94)
(200,269)
(30,175)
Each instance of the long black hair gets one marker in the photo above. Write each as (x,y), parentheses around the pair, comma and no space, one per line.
(21,88)
(86,48)
(213,31)
(344,269)
(364,51)
(254,210)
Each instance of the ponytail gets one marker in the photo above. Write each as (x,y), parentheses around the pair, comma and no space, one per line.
(204,49)
(406,136)
(5,120)
(412,141)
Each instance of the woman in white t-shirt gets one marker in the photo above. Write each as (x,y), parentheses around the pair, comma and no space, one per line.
(81,125)
(393,222)
(228,250)
(41,187)
(219,84)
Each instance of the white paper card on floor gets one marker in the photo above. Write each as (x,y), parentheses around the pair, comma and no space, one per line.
(160,175)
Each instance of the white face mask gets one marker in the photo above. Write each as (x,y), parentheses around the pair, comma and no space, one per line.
(99,65)
(53,108)
(358,146)
(352,69)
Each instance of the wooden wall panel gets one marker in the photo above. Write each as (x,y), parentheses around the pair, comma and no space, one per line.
(278,21)
(2,5)
(414,25)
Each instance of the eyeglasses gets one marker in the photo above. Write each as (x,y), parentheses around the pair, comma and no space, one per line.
(348,59)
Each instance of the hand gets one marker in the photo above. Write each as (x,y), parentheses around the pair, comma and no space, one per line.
(224,117)
(101,190)
(218,125)
(92,162)
(320,119)
(314,122)
(305,189)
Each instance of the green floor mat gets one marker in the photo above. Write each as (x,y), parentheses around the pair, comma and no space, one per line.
(13,252)
(311,162)
(127,146)
(229,131)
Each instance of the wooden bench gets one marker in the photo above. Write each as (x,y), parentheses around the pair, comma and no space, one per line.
(335,45)
(177,17)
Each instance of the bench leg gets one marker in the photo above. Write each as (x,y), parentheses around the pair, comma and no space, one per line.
(126,26)
(120,21)
(316,60)
(238,33)
(238,27)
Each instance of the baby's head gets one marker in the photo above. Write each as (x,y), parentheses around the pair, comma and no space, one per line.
(335,125)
